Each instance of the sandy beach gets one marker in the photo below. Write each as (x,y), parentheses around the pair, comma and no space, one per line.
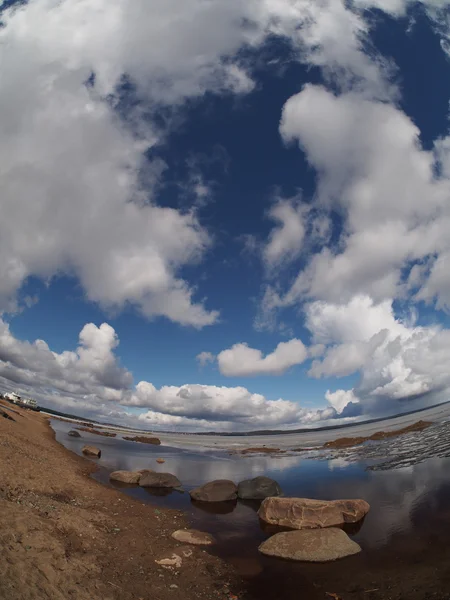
(64,535)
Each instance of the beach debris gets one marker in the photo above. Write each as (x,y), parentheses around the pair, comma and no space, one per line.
(175,561)
(160,461)
(4,414)
(159,480)
(219,490)
(74,433)
(192,536)
(303,513)
(144,440)
(258,488)
(310,545)
(131,477)
(91,451)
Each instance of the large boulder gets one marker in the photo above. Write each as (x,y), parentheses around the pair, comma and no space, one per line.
(125,476)
(74,433)
(158,480)
(91,451)
(258,488)
(220,490)
(311,545)
(192,536)
(302,513)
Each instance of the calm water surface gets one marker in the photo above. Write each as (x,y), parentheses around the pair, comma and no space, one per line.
(412,501)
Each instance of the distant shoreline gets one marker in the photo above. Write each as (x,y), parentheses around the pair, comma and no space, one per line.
(268,432)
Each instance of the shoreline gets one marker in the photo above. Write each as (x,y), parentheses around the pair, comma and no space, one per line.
(65,535)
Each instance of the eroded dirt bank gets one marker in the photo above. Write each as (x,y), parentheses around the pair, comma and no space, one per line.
(63,535)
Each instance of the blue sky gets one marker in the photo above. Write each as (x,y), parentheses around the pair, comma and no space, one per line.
(221,179)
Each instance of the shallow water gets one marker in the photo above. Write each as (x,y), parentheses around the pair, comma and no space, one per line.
(406,503)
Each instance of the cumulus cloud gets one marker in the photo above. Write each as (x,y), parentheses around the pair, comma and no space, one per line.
(396,360)
(91,370)
(286,239)
(76,167)
(90,381)
(204,358)
(241,360)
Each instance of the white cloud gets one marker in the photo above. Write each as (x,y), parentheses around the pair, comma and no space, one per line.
(372,170)
(340,398)
(286,239)
(241,360)
(77,171)
(91,370)
(396,360)
(90,382)
(204,358)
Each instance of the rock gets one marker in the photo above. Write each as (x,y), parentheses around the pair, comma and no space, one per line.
(262,450)
(169,563)
(192,536)
(144,440)
(74,433)
(258,488)
(125,476)
(91,451)
(97,432)
(160,461)
(159,480)
(311,545)
(302,513)
(220,490)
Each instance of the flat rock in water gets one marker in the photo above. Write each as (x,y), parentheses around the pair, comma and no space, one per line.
(220,490)
(258,488)
(125,476)
(158,480)
(74,433)
(144,440)
(303,513)
(192,536)
(318,545)
(91,451)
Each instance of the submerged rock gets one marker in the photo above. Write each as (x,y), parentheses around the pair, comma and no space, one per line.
(220,490)
(303,513)
(192,536)
(258,488)
(74,433)
(311,545)
(131,477)
(91,451)
(158,480)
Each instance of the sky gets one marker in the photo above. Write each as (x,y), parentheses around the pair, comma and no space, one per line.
(225,215)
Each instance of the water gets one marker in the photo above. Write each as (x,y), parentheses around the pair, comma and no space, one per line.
(409,516)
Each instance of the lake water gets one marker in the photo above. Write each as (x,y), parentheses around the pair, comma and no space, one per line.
(408,504)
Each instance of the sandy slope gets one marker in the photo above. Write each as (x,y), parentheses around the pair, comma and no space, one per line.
(62,535)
